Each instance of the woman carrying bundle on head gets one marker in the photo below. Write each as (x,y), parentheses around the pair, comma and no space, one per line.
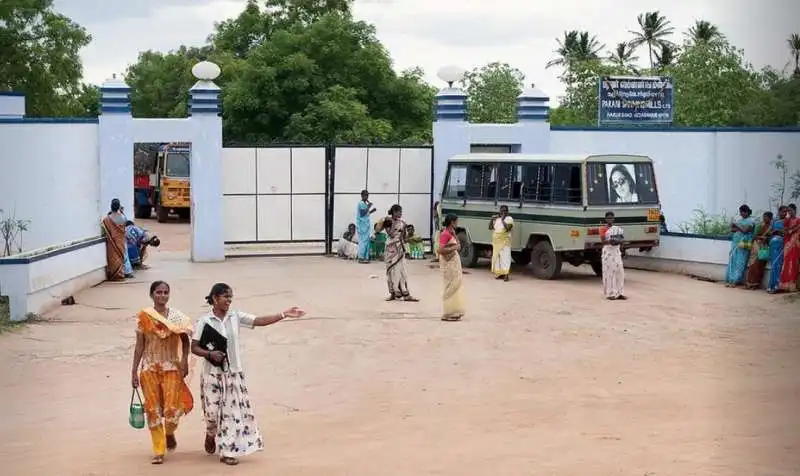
(231,424)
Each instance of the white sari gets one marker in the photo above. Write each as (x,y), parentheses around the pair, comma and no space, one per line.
(613,268)
(347,248)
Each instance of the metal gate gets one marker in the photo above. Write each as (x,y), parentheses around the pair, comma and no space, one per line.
(298,200)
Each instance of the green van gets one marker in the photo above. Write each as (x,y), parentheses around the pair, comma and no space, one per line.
(558,203)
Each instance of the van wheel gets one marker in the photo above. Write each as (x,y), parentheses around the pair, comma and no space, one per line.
(469,254)
(597,267)
(521,258)
(546,262)
(162,214)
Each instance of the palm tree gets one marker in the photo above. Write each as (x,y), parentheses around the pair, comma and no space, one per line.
(794,46)
(665,56)
(654,29)
(704,32)
(576,46)
(623,55)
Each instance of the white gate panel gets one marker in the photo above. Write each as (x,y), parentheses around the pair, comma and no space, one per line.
(274,218)
(382,204)
(415,170)
(308,217)
(344,212)
(238,171)
(350,170)
(417,211)
(239,217)
(309,170)
(383,174)
(274,170)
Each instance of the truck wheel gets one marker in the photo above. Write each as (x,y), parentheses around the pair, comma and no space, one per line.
(469,254)
(522,258)
(546,262)
(142,211)
(184,213)
(162,214)
(597,267)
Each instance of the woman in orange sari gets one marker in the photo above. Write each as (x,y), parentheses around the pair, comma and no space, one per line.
(113,225)
(791,251)
(759,253)
(162,355)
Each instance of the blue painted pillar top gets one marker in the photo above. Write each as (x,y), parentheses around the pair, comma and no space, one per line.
(115,97)
(450,105)
(533,105)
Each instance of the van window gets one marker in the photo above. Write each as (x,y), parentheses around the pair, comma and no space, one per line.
(538,183)
(620,183)
(456,181)
(510,178)
(567,183)
(481,181)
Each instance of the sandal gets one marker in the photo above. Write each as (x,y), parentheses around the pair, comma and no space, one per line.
(172,443)
(451,318)
(158,459)
(229,461)
(391,298)
(210,444)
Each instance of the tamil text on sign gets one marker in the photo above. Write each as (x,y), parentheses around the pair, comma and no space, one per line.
(635,100)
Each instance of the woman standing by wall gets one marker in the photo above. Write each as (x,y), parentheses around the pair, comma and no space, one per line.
(741,242)
(613,268)
(118,266)
(759,254)
(162,356)
(452,276)
(791,250)
(395,256)
(501,226)
(776,252)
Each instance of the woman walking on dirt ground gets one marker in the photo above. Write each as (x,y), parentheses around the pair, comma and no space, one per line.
(231,424)
(452,276)
(501,243)
(162,353)
(395,256)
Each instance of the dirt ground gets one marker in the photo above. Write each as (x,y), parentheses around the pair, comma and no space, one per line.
(541,378)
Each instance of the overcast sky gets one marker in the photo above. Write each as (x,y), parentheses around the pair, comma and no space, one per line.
(431,34)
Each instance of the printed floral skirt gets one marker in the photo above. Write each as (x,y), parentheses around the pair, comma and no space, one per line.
(228,413)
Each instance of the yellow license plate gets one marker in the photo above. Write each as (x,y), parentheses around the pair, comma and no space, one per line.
(653,214)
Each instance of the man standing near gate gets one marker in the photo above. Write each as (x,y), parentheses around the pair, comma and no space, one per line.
(364,226)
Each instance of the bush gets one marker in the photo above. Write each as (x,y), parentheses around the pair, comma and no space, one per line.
(707,224)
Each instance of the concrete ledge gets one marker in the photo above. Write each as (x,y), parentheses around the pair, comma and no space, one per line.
(36,281)
(693,255)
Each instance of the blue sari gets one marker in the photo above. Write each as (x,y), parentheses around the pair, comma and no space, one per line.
(363,229)
(740,252)
(134,236)
(775,257)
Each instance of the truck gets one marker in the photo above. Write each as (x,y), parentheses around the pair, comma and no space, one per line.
(162,183)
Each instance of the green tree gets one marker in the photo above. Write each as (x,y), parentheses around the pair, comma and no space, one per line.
(665,56)
(703,31)
(576,46)
(794,47)
(623,55)
(580,102)
(40,56)
(493,90)
(713,85)
(337,116)
(160,82)
(654,29)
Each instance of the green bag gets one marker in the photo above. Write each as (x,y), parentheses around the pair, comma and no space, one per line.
(763,254)
(136,416)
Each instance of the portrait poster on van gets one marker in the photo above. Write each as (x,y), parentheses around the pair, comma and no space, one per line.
(620,183)
(635,100)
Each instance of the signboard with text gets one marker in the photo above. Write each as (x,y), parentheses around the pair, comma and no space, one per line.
(635,100)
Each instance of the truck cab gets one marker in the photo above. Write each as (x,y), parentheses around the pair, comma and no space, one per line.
(167,188)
